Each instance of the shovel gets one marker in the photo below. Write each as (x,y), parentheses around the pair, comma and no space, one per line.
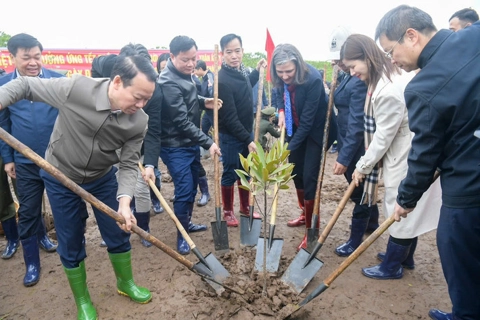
(274,245)
(301,271)
(219,227)
(198,268)
(347,262)
(210,261)
(250,228)
(312,233)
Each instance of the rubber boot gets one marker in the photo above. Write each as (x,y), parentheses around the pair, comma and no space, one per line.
(77,278)
(192,227)
(390,267)
(373,220)
(244,196)
(156,205)
(122,266)
(408,263)
(227,199)
(300,221)
(31,255)
(44,241)
(143,221)
(308,222)
(358,230)
(440,315)
(203,185)
(181,211)
(11,233)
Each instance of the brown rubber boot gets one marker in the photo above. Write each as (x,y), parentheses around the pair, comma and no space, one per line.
(300,221)
(227,199)
(244,198)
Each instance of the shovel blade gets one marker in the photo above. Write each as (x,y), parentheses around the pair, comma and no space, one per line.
(249,234)
(296,276)
(273,255)
(312,238)
(220,236)
(218,272)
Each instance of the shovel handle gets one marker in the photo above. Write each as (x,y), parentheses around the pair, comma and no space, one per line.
(273,216)
(216,160)
(169,210)
(337,213)
(42,163)
(326,129)
(363,246)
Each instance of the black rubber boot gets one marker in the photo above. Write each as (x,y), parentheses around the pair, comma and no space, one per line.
(408,263)
(391,266)
(143,221)
(358,229)
(11,233)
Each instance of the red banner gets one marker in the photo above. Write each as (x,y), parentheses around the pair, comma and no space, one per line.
(71,61)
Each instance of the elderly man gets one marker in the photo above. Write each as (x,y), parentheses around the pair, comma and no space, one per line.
(443,102)
(96,118)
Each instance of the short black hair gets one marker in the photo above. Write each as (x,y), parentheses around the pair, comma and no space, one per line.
(181,44)
(133,49)
(467,14)
(201,65)
(22,40)
(227,38)
(127,67)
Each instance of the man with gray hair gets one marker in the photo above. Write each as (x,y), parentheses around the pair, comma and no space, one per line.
(443,102)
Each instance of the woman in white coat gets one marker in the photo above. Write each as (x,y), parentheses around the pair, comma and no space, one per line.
(387,143)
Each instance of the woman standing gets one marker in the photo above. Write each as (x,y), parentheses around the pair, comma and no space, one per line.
(303,112)
(349,98)
(387,143)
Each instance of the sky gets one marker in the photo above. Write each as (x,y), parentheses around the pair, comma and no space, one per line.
(106,24)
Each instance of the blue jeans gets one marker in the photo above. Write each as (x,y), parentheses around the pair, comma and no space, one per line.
(458,242)
(231,147)
(30,188)
(70,215)
(207,122)
(184,165)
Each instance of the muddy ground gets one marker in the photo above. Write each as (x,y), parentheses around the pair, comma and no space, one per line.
(180,294)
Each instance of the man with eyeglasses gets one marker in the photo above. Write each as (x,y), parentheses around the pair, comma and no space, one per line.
(443,102)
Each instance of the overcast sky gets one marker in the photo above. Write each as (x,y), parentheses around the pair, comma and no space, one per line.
(106,24)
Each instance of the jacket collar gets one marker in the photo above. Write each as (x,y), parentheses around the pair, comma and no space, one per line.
(172,68)
(432,46)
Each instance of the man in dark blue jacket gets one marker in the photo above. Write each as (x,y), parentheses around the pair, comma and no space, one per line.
(443,102)
(32,124)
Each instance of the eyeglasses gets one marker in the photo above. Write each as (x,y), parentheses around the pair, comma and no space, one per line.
(389,54)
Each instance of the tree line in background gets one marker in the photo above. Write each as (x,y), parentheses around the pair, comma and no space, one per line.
(249,59)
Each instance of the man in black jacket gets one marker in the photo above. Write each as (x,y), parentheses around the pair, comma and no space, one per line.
(181,135)
(235,121)
(443,102)
(102,68)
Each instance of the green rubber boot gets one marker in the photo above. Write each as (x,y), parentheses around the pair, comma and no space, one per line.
(77,278)
(122,265)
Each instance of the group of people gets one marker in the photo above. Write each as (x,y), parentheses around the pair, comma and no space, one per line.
(407,108)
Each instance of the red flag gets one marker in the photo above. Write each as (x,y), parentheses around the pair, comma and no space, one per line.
(269,47)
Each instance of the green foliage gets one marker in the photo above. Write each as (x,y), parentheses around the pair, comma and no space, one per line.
(266,169)
(4,39)
(251,59)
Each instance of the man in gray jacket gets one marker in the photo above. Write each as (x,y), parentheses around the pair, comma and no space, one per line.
(96,118)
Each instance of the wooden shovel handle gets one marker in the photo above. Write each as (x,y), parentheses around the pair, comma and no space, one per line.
(273,216)
(216,160)
(258,118)
(42,163)
(169,210)
(326,129)
(337,213)
(364,245)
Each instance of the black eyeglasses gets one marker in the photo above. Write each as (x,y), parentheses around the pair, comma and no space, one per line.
(389,54)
